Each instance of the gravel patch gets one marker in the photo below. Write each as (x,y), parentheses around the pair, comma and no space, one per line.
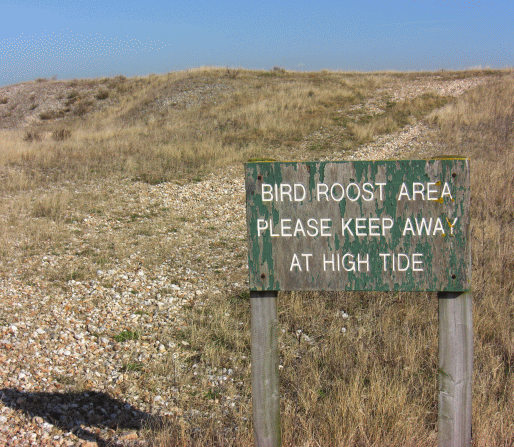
(68,353)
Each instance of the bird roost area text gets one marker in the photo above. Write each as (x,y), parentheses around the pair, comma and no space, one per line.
(358,227)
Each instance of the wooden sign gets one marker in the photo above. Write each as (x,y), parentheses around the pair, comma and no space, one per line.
(362,225)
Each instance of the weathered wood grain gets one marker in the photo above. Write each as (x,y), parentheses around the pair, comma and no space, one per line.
(265,381)
(278,225)
(455,369)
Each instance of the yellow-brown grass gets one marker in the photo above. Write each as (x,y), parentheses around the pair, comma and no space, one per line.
(371,378)
(184,124)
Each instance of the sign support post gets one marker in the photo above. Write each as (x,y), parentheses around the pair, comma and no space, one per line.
(265,383)
(455,368)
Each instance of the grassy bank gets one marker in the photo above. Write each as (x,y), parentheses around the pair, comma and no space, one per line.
(357,369)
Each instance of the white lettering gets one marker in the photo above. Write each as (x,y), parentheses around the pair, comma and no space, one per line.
(306,256)
(418,189)
(267,192)
(373,227)
(295,263)
(422,226)
(385,257)
(431,191)
(366,226)
(299,187)
(271,230)
(313,225)
(360,226)
(438,226)
(385,221)
(348,262)
(381,190)
(261,226)
(403,192)
(406,262)
(350,267)
(353,191)
(288,228)
(362,261)
(319,191)
(325,225)
(285,225)
(408,227)
(331,262)
(299,228)
(285,190)
(416,261)
(367,188)
(452,224)
(281,192)
(334,196)
(346,226)
(355,186)
(401,262)
(446,191)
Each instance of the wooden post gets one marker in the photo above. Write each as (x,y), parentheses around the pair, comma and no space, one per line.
(265,383)
(455,368)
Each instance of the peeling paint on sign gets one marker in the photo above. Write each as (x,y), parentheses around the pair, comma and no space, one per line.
(362,225)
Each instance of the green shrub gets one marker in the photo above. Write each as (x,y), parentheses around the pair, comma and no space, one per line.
(126,335)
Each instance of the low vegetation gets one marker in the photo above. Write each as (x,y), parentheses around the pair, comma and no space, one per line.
(357,369)
(183,124)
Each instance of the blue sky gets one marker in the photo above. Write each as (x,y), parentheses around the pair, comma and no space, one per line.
(95,38)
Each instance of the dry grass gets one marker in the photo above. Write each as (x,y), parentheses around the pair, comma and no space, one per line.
(371,378)
(359,369)
(184,124)
(483,124)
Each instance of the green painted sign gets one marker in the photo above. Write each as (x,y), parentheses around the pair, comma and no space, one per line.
(361,225)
